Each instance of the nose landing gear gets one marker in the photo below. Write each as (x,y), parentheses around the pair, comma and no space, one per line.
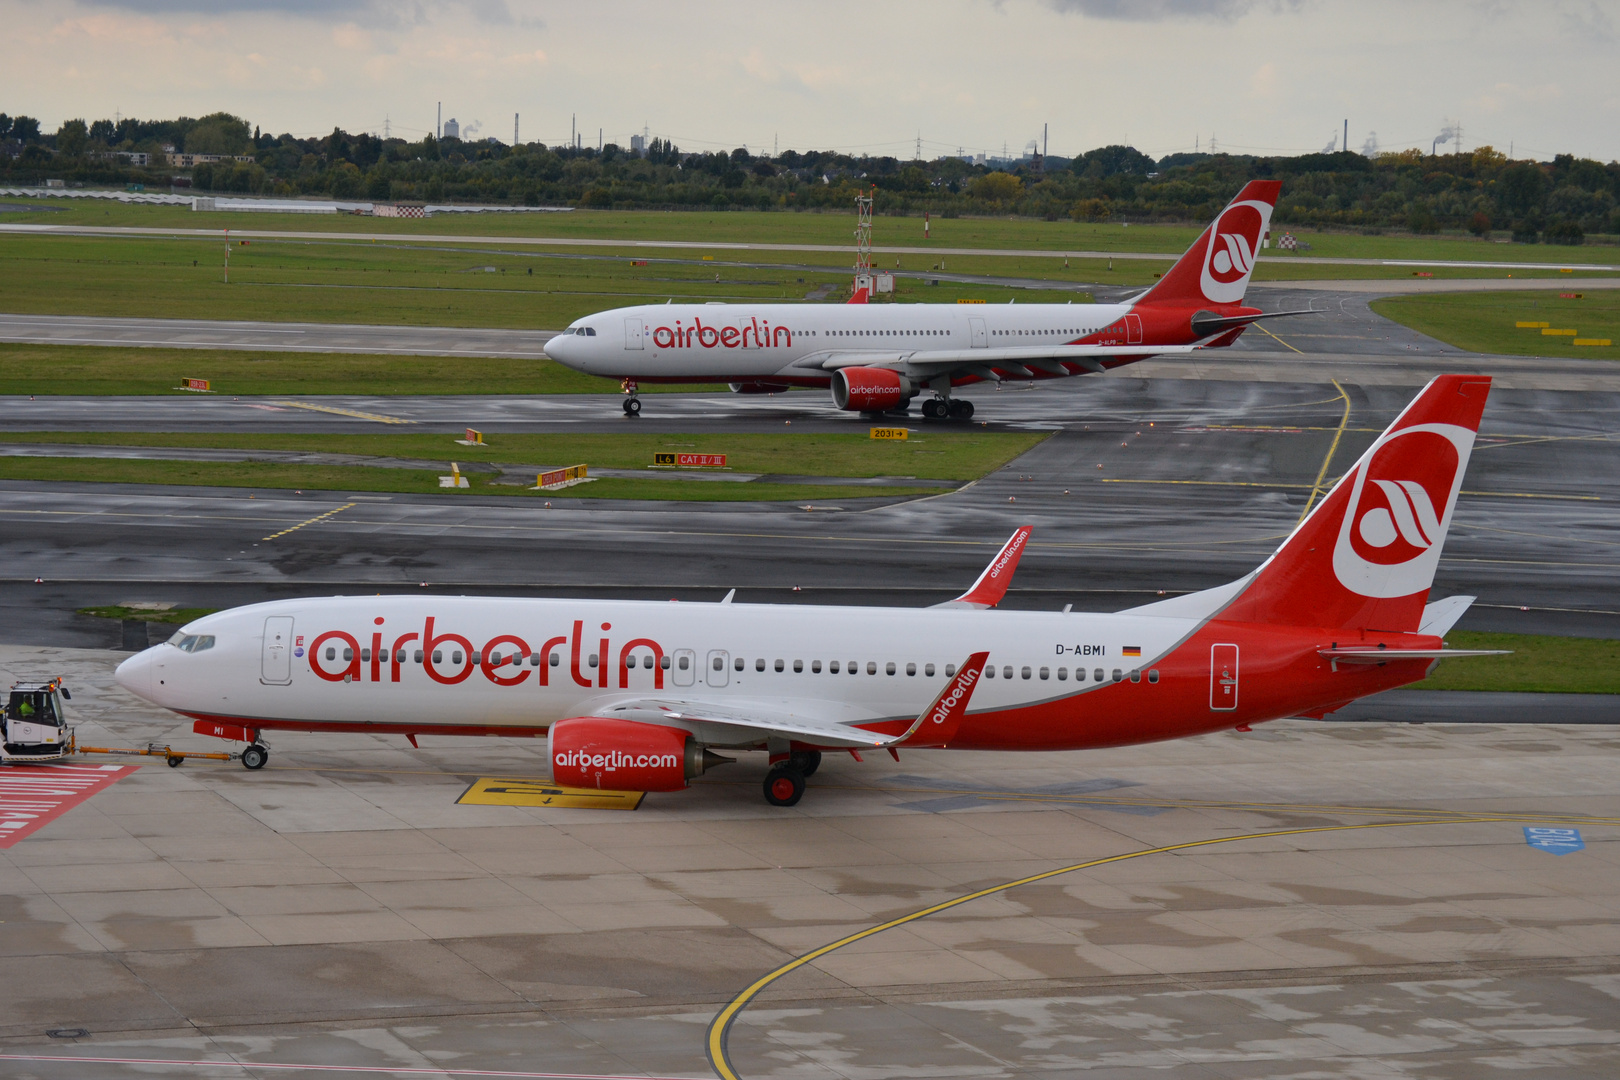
(632,403)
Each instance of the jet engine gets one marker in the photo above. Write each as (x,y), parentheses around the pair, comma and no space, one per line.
(623,755)
(867,389)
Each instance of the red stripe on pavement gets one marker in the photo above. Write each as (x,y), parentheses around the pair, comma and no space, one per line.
(33,796)
(441,1070)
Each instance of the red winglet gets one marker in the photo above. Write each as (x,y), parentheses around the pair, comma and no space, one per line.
(988,591)
(938,723)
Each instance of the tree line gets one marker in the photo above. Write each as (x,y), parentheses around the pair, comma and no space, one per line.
(1482,192)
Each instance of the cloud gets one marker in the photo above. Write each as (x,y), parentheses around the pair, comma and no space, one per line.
(1165,10)
(375,12)
(1590,23)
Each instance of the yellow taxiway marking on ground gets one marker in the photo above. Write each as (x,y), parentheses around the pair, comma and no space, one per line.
(720,1027)
(1333,448)
(311,521)
(1280,341)
(335,411)
(501,791)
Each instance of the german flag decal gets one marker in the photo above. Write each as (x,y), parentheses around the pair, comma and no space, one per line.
(1132,650)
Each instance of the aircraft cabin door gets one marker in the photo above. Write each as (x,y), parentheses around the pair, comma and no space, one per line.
(276,664)
(1223,678)
(1133,329)
(633,333)
(718,671)
(977,338)
(683,667)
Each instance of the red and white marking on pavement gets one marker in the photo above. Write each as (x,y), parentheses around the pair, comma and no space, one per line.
(33,796)
(444,1070)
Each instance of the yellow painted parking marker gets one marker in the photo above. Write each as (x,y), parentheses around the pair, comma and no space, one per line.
(335,411)
(501,791)
(716,1043)
(311,521)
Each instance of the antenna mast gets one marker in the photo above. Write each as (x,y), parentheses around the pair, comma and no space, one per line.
(863,242)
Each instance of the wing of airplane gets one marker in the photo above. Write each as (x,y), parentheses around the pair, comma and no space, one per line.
(991,586)
(818,723)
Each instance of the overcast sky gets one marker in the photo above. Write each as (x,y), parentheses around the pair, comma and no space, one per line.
(1255,75)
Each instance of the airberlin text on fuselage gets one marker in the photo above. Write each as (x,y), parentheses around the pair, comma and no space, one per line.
(505,659)
(725,337)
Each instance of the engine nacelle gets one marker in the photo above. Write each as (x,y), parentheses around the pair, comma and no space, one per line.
(623,755)
(759,387)
(868,389)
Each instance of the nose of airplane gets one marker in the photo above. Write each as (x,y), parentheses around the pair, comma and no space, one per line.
(556,348)
(135,674)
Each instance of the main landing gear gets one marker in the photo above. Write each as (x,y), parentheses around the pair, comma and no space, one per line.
(784,784)
(942,408)
(632,403)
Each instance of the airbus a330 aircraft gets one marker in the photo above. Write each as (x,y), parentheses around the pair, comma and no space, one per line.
(639,696)
(877,357)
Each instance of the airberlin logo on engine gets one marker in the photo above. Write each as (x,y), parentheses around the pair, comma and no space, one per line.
(751,333)
(1234,243)
(614,760)
(1398,511)
(505,659)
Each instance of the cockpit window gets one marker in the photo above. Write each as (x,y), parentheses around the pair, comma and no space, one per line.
(192,643)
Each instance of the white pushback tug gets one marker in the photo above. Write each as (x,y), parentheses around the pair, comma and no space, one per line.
(34,727)
(34,731)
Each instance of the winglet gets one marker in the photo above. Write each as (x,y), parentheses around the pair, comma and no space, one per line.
(988,591)
(937,724)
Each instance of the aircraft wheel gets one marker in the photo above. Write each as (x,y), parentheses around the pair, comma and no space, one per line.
(784,785)
(807,762)
(254,757)
(935,408)
(632,406)
(961,410)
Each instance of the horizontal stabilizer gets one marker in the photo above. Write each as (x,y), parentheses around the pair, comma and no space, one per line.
(1207,323)
(1440,616)
(1384,656)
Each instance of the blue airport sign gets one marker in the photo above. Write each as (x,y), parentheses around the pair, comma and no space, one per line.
(1556,841)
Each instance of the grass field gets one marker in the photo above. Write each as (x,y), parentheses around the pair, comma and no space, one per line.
(99,369)
(392,280)
(409,481)
(1484,321)
(832,227)
(937,455)
(1539,664)
(167,615)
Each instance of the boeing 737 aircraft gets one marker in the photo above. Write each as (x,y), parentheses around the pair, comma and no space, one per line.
(876,358)
(641,696)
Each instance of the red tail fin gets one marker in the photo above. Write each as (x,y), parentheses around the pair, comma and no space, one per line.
(1365,556)
(1216,269)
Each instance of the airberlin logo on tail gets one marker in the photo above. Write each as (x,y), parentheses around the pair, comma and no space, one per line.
(1410,516)
(1234,243)
(1399,509)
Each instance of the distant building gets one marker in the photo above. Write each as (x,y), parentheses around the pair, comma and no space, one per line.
(638,145)
(135,157)
(186,161)
(452,130)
